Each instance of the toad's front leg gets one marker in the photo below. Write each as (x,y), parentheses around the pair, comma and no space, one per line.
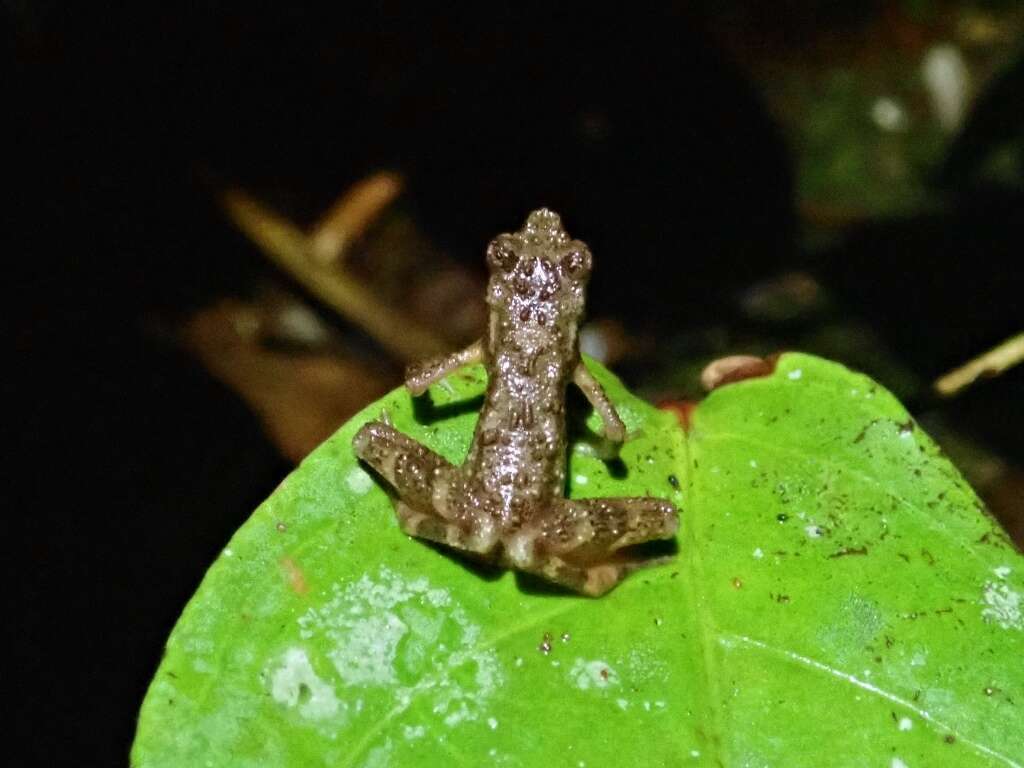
(614,429)
(579,544)
(432,501)
(421,375)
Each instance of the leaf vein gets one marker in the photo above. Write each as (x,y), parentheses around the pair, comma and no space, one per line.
(727,639)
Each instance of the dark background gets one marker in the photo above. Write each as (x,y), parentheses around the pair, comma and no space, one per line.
(131,466)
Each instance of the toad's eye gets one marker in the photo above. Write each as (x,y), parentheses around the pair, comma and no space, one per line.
(576,262)
(500,256)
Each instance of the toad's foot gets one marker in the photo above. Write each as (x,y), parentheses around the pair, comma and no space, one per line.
(578,545)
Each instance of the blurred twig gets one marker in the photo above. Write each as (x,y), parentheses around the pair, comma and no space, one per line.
(347,220)
(295,251)
(991,363)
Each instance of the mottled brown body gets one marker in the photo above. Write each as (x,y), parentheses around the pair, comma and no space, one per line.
(506,502)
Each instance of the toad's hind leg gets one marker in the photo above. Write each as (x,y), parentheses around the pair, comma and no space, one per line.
(423,481)
(580,543)
(412,469)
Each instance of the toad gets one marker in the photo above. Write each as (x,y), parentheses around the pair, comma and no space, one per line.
(506,503)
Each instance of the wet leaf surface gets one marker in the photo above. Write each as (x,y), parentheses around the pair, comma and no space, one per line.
(839,597)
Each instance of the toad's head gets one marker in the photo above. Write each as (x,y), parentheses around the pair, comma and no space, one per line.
(538,274)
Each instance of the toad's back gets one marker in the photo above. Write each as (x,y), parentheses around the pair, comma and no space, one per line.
(535,296)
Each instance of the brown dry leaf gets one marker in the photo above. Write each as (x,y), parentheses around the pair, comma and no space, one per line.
(301,397)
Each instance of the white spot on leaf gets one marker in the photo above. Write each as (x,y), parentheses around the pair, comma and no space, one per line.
(295,684)
(906,724)
(795,374)
(454,718)
(358,481)
(1002,605)
(379,757)
(413,732)
(409,638)
(367,657)
(592,674)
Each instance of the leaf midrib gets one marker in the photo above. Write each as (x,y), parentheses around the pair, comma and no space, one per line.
(710,713)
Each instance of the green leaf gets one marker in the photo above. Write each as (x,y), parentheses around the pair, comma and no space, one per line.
(839,598)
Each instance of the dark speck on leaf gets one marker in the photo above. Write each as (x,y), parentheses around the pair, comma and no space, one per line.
(863,433)
(782,517)
(847,551)
(950,738)
(673,481)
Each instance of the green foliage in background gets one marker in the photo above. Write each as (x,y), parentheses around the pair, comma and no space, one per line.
(839,598)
